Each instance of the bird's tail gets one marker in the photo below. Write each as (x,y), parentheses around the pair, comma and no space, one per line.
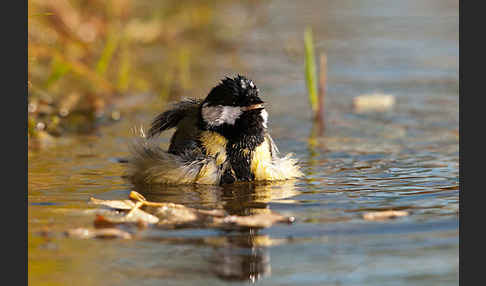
(150,164)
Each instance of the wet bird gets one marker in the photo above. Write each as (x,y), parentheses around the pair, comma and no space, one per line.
(222,139)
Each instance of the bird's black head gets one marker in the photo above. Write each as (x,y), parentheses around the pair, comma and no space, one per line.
(234,109)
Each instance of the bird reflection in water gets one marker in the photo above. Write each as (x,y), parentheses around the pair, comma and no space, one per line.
(240,254)
(244,257)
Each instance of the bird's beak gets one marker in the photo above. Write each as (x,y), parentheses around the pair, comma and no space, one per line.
(253,106)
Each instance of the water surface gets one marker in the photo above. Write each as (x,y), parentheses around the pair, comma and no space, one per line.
(406,158)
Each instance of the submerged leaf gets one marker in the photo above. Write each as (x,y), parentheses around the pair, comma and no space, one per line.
(383,215)
(373,102)
(85,233)
(258,220)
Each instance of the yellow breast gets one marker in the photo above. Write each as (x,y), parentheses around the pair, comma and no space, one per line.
(260,160)
(266,168)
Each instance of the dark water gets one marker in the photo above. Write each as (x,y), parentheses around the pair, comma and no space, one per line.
(406,158)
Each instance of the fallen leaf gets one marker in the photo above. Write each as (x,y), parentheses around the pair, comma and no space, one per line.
(137,210)
(383,215)
(84,233)
(373,102)
(102,222)
(258,220)
(171,215)
(114,204)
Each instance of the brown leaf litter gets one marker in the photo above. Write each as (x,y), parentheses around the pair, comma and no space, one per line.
(137,211)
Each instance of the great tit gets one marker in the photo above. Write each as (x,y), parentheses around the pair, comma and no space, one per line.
(222,139)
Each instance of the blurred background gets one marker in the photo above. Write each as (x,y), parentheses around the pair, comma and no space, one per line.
(84,56)
(87,56)
(97,69)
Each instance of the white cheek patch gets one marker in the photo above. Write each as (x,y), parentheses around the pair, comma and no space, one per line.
(264,116)
(230,114)
(217,115)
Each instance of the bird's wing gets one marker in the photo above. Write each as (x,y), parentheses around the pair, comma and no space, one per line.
(150,164)
(170,118)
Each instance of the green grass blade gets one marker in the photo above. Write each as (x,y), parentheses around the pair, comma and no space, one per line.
(107,54)
(58,69)
(310,69)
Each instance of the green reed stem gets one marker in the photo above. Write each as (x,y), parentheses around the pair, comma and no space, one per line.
(310,70)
